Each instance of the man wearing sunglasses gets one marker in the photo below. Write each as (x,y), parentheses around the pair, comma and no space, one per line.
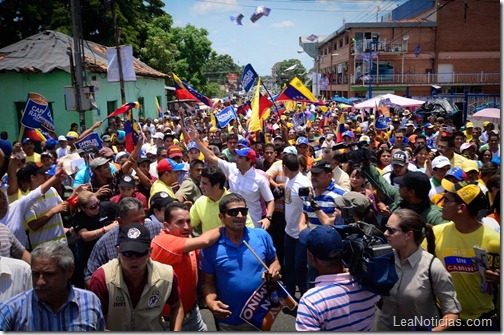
(231,272)
(133,289)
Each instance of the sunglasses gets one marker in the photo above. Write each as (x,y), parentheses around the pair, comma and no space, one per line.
(130,254)
(391,230)
(235,211)
(94,206)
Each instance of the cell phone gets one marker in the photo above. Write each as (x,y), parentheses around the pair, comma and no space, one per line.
(304,191)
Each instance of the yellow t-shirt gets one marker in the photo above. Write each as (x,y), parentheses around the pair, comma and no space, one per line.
(159,186)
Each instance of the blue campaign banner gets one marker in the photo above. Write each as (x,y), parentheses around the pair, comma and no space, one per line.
(248,77)
(89,140)
(226,115)
(37,113)
(265,304)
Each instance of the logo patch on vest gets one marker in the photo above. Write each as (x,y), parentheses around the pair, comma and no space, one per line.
(154,299)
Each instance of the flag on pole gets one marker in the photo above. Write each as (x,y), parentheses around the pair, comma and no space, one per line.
(158,108)
(265,304)
(248,77)
(35,135)
(341,129)
(296,91)
(124,108)
(254,123)
(185,91)
(132,132)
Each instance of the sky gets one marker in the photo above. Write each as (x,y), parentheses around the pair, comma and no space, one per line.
(272,38)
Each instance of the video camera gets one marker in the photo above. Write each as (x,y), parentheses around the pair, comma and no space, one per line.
(359,152)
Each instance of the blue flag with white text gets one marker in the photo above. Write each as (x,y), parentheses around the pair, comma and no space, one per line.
(248,77)
(225,116)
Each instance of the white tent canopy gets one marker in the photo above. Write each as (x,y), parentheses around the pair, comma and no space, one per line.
(394,99)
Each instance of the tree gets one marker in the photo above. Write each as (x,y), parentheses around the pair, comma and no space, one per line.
(284,71)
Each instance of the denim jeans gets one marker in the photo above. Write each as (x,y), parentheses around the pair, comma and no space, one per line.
(295,270)
(193,322)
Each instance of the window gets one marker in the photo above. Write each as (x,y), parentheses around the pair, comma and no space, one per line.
(141,111)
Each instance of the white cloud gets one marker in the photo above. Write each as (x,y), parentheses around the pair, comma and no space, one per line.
(214,6)
(283,24)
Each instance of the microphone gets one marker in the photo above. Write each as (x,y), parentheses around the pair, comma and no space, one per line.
(493,254)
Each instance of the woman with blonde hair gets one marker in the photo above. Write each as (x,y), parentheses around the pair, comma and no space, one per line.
(423,280)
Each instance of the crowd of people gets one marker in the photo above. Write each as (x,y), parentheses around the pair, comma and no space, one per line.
(198,216)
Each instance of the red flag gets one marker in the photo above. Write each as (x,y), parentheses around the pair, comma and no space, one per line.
(264,105)
(124,108)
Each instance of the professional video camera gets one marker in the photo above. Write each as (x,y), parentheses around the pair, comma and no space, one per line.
(358,152)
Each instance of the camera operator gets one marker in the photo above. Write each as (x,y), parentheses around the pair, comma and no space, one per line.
(413,193)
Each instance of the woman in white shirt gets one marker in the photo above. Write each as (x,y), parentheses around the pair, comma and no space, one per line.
(422,279)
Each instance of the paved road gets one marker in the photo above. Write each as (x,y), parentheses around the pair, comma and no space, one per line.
(283,322)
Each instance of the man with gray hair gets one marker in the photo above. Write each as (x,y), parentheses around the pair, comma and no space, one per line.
(130,211)
(53,304)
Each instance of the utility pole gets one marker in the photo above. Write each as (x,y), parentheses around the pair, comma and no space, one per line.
(77,53)
(117,33)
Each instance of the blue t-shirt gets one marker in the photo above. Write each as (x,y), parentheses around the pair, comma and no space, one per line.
(237,271)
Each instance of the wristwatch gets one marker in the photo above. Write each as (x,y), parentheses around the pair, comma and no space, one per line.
(270,218)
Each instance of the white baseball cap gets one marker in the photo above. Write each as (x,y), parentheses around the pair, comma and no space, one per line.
(440,161)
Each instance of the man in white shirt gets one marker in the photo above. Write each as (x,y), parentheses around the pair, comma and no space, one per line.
(15,277)
(244,180)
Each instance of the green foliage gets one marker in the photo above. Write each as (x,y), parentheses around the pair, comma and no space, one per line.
(283,76)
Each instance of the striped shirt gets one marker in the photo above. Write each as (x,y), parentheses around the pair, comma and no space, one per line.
(53,229)
(336,303)
(326,203)
(24,312)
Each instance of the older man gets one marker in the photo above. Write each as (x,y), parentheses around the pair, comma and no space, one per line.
(53,304)
(133,289)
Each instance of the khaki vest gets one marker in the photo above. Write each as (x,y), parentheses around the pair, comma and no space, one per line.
(146,316)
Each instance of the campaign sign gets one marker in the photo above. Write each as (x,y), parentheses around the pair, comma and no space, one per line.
(265,304)
(248,77)
(90,140)
(37,113)
(226,115)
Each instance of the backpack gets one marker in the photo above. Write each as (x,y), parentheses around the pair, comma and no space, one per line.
(368,256)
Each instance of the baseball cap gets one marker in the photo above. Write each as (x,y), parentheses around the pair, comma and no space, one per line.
(46,153)
(52,170)
(121,154)
(399,158)
(213,129)
(126,181)
(322,165)
(415,180)
(324,242)
(72,135)
(290,150)
(467,145)
(32,168)
(134,237)
(51,143)
(364,138)
(486,123)
(348,133)
(26,140)
(62,138)
(91,149)
(469,192)
(97,162)
(353,199)
(158,135)
(174,151)
(469,125)
(243,142)
(192,145)
(428,125)
(168,164)
(106,152)
(470,165)
(302,140)
(142,159)
(159,200)
(457,173)
(247,152)
(440,161)
(410,123)
(105,138)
